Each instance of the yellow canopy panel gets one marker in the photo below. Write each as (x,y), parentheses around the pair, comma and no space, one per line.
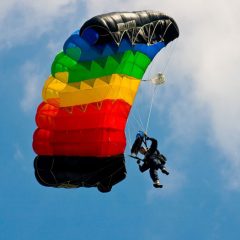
(113,87)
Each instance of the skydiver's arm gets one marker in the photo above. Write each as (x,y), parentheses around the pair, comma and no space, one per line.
(136,145)
(153,146)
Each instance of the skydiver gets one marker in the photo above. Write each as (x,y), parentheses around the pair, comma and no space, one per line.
(153,159)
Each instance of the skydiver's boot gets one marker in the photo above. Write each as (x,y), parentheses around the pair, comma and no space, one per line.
(164,170)
(157,184)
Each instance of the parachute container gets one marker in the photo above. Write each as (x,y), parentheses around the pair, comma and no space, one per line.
(80,139)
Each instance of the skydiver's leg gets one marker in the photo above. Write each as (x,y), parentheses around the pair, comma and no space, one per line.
(154,176)
(143,167)
(160,166)
(164,170)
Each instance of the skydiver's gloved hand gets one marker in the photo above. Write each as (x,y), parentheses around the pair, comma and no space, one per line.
(138,161)
(145,136)
(134,154)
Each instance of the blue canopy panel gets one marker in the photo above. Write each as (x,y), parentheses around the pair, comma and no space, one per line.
(73,45)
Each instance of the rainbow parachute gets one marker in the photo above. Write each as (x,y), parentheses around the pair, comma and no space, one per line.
(80,139)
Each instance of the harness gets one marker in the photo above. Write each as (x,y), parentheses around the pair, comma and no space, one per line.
(156,155)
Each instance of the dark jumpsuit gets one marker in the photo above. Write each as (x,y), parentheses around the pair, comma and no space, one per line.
(152,160)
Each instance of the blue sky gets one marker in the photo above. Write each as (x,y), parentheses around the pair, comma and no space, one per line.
(195,117)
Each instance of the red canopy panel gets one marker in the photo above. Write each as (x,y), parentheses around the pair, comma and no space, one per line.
(95,129)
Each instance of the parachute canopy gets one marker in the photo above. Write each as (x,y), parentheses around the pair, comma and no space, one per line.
(144,27)
(80,139)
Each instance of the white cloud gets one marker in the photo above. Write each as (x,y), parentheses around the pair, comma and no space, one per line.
(209,55)
(26,19)
(105,6)
(32,81)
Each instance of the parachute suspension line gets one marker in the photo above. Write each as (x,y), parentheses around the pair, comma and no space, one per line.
(139,117)
(155,87)
(129,139)
(151,105)
(148,72)
(133,128)
(138,121)
(136,114)
(169,57)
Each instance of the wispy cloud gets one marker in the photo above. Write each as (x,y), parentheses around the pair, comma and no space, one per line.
(33,81)
(18,155)
(208,55)
(172,185)
(23,20)
(21,160)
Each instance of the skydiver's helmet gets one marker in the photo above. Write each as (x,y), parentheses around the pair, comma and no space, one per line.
(140,134)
